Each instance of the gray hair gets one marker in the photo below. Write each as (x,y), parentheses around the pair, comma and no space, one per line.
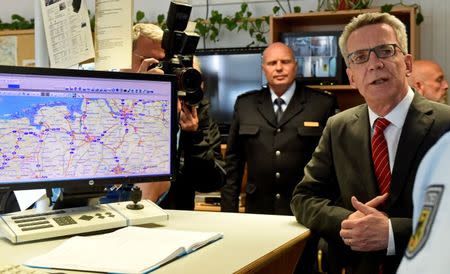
(147,30)
(373,18)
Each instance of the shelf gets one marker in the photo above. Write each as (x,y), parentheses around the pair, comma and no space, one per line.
(334,87)
(346,95)
(336,20)
(339,17)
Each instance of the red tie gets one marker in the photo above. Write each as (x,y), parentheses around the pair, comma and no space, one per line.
(380,155)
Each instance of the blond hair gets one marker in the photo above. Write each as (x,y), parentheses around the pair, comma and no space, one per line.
(373,18)
(147,30)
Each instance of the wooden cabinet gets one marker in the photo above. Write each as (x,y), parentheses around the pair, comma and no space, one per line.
(346,95)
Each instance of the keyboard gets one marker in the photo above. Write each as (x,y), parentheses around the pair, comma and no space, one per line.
(29,225)
(20,269)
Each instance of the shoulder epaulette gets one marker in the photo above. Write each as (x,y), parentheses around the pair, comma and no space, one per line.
(324,92)
(247,93)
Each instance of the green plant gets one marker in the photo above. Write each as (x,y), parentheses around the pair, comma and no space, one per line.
(419,16)
(333,5)
(18,22)
(242,20)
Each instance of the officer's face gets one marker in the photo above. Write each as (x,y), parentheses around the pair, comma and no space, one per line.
(280,67)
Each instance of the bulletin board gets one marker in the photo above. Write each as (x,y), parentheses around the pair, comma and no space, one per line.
(24,40)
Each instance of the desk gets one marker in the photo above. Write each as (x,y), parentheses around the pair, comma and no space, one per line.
(252,243)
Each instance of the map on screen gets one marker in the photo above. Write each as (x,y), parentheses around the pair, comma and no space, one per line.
(83,130)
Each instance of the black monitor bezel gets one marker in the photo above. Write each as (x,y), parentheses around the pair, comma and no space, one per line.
(89,183)
(340,64)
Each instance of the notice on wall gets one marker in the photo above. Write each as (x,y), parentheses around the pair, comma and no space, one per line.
(113,34)
(8,50)
(67,32)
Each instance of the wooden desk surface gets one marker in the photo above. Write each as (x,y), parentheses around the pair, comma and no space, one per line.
(252,243)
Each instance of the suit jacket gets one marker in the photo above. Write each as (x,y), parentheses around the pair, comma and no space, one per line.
(342,167)
(200,166)
(275,154)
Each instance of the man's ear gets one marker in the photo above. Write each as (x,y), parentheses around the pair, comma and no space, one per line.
(418,86)
(350,77)
(408,63)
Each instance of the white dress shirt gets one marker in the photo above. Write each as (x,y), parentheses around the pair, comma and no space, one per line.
(392,134)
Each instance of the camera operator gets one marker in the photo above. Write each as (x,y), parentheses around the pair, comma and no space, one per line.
(199,162)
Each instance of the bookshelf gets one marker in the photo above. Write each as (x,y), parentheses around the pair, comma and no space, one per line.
(346,95)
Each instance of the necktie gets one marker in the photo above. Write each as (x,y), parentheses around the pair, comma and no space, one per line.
(279,102)
(380,155)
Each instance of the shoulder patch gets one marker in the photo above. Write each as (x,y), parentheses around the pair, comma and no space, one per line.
(426,219)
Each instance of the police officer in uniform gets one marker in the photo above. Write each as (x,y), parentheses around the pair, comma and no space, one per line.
(274,131)
(426,251)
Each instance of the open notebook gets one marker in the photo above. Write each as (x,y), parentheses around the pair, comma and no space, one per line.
(127,250)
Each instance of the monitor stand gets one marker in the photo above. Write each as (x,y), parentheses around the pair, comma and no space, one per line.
(77,197)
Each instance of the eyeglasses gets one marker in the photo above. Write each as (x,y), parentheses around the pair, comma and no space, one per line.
(381,51)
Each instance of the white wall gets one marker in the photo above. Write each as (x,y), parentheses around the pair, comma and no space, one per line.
(435,37)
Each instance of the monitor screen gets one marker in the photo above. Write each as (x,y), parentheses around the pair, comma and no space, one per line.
(72,128)
(318,56)
(229,72)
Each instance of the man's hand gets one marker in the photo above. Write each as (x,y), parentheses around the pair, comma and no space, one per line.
(367,229)
(375,202)
(146,63)
(154,190)
(188,117)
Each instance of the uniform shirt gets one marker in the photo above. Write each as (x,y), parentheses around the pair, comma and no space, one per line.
(287,96)
(427,248)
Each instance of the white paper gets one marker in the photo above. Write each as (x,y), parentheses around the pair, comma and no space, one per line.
(25,198)
(68,33)
(147,249)
(113,34)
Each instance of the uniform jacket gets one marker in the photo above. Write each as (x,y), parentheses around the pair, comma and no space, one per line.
(342,167)
(275,154)
(431,197)
(200,166)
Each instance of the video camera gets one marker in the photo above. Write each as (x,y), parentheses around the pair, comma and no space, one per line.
(179,47)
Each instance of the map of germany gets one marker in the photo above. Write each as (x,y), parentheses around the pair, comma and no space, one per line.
(44,137)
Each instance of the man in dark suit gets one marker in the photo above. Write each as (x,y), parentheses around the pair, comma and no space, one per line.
(273,150)
(362,210)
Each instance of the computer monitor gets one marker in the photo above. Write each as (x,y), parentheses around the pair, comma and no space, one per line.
(229,72)
(318,56)
(81,129)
